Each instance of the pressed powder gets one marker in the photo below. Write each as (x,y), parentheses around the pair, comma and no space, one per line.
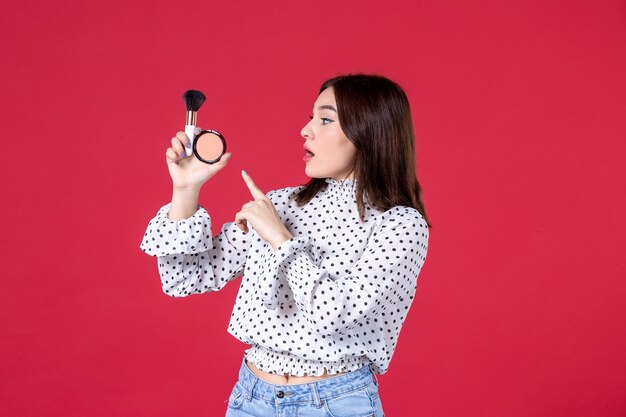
(209,146)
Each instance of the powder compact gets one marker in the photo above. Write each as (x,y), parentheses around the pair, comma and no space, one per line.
(209,146)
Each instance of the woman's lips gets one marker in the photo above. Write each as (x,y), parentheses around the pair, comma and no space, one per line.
(308,154)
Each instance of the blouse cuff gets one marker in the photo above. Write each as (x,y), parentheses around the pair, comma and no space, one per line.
(289,273)
(169,237)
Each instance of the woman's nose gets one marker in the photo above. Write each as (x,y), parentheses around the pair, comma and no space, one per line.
(305,133)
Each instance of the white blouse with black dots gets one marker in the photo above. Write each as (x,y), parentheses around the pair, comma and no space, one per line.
(334,296)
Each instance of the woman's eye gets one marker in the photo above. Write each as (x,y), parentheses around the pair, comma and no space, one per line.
(325,120)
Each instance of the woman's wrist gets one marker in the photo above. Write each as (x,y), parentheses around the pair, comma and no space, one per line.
(281,238)
(184,203)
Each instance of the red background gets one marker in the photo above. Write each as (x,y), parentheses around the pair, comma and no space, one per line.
(519,113)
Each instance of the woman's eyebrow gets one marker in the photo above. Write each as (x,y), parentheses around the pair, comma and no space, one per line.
(327,106)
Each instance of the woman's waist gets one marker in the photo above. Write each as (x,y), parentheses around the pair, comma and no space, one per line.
(281,365)
(286,379)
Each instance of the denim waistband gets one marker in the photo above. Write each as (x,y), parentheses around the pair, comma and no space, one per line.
(308,391)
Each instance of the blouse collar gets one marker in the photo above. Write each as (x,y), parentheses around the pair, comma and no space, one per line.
(344,189)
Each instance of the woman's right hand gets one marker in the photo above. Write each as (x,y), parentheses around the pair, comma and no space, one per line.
(189,171)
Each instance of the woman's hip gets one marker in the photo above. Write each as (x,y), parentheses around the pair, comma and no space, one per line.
(353,393)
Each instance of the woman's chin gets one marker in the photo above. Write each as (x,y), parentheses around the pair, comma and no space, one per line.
(313,172)
(316,173)
(310,172)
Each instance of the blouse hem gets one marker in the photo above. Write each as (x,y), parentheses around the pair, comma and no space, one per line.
(286,363)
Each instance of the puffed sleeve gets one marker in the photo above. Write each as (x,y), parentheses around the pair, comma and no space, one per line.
(383,280)
(190,261)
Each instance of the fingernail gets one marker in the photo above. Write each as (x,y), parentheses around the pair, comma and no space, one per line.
(228,156)
(243,171)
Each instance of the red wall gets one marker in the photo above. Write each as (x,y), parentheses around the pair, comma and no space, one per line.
(519,112)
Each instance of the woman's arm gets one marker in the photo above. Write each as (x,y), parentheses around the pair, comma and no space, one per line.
(184,203)
(189,260)
(383,279)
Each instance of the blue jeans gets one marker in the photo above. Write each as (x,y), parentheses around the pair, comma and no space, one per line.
(353,394)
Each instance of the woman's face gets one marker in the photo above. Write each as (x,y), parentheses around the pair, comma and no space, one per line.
(333,154)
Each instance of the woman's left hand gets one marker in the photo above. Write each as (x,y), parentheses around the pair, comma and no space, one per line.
(262,215)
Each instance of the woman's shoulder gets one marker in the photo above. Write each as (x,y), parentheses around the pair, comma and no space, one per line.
(401,215)
(283,195)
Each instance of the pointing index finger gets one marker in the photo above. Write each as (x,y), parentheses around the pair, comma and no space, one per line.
(254,190)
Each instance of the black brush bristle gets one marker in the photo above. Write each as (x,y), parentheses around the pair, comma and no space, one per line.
(193,99)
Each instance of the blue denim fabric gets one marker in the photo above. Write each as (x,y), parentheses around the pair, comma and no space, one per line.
(353,394)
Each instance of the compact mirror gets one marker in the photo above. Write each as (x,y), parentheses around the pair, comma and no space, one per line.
(209,146)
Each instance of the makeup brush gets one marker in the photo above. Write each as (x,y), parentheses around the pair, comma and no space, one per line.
(193,100)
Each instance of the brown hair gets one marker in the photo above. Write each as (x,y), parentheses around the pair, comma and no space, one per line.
(375,116)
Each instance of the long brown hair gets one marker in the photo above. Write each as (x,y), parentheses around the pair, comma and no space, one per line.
(375,115)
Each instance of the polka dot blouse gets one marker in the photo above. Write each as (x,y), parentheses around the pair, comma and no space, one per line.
(334,296)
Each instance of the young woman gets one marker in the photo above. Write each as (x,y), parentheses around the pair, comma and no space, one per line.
(329,268)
